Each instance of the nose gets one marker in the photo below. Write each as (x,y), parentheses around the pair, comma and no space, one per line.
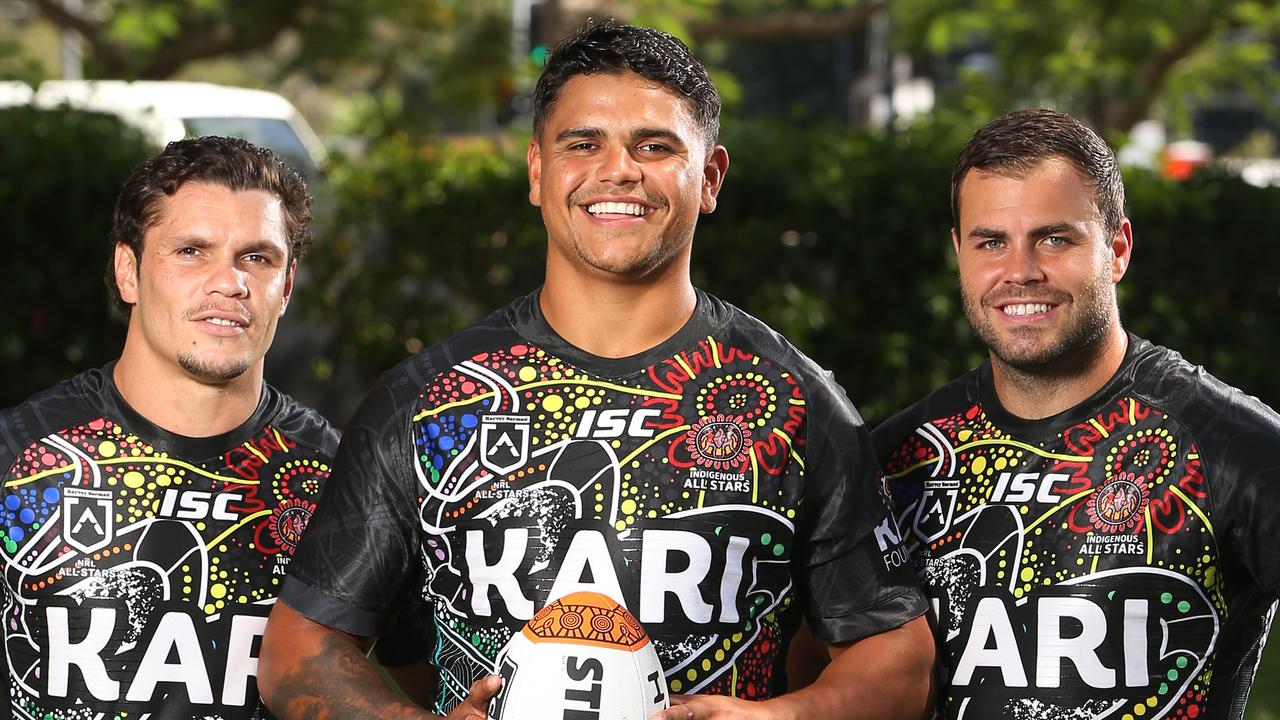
(226,278)
(618,167)
(1022,266)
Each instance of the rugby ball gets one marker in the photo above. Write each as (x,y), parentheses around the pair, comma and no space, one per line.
(582,657)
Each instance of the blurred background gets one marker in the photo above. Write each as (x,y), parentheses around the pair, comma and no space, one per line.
(842,118)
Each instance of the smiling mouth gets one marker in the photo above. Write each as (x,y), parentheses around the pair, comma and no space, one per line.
(1020,309)
(223,322)
(618,208)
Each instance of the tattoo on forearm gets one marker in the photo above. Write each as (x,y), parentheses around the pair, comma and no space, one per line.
(338,682)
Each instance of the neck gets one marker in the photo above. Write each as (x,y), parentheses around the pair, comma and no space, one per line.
(170,398)
(611,318)
(1038,394)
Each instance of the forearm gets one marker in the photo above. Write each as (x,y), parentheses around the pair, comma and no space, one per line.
(313,672)
(885,677)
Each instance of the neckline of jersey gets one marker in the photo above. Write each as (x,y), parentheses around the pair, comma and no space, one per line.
(187,447)
(525,316)
(1049,427)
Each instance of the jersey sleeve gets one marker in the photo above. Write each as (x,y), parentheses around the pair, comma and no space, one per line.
(852,571)
(358,558)
(1240,446)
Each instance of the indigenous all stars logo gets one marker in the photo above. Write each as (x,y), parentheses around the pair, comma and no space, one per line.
(1119,503)
(288,521)
(719,441)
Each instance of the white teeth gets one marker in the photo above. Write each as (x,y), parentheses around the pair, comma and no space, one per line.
(616,208)
(220,321)
(1026,308)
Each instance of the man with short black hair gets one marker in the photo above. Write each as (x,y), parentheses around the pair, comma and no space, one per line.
(152,506)
(617,431)
(1092,515)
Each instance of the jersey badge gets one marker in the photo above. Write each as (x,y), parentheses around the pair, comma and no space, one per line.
(1118,504)
(86,518)
(936,509)
(504,442)
(719,441)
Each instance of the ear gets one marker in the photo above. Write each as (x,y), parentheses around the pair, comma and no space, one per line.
(288,286)
(955,242)
(1121,250)
(713,177)
(126,272)
(533,158)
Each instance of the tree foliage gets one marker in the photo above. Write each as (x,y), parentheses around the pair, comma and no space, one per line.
(1112,63)
(60,171)
(838,239)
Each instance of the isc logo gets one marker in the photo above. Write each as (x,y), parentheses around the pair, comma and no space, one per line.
(1023,487)
(198,505)
(615,423)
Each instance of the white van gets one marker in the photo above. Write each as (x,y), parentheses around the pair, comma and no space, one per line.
(168,111)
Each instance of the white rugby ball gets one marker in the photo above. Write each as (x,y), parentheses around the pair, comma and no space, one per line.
(582,657)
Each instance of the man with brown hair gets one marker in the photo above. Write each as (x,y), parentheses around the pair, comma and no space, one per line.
(151,507)
(1093,516)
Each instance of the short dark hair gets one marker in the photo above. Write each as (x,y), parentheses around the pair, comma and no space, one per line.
(602,46)
(1017,142)
(231,162)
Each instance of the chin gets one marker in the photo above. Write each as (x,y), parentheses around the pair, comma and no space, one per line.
(214,370)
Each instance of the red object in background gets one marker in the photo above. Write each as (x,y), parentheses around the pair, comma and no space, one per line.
(1183,157)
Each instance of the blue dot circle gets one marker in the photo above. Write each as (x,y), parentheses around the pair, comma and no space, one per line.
(445,443)
(16,534)
(27,516)
(469,420)
(13,502)
(437,460)
(433,430)
(51,495)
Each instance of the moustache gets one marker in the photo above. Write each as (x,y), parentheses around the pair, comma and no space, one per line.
(579,197)
(242,313)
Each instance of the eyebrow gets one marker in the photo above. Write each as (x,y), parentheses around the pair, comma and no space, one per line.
(580,132)
(588,132)
(990,233)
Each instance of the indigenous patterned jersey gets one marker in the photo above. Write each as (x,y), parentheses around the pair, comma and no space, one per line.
(717,485)
(1118,560)
(139,565)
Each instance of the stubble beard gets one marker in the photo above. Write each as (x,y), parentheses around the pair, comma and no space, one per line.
(208,371)
(1070,351)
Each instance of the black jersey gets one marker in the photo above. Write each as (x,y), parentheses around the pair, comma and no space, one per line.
(718,485)
(139,565)
(1117,560)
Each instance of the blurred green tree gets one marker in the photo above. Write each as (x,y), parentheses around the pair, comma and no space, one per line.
(60,171)
(1112,64)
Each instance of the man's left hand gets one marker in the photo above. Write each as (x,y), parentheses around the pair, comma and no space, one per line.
(712,707)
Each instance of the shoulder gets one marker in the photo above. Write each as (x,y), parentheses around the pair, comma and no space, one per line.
(957,396)
(70,403)
(1223,419)
(752,335)
(393,398)
(303,424)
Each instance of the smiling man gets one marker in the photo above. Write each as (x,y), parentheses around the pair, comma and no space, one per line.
(152,506)
(1093,516)
(616,431)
